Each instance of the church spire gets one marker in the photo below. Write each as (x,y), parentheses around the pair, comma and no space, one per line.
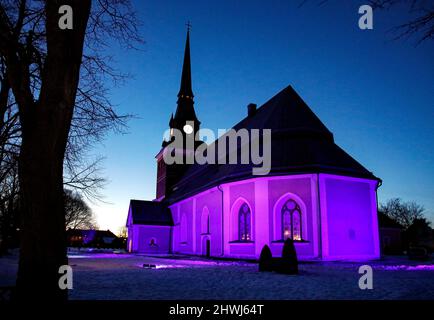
(185,90)
(185,109)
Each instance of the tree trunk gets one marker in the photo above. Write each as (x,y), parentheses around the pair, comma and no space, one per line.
(45,127)
(43,238)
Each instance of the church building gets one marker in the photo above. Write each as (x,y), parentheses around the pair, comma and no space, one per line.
(315,192)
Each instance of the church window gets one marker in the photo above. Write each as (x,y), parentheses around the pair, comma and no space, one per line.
(205,221)
(291,221)
(184,229)
(244,223)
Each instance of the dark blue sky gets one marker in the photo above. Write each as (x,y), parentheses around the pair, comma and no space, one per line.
(374,94)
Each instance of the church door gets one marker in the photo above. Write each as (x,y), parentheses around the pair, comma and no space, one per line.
(208,248)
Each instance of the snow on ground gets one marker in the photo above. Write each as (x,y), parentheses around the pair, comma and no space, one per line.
(121,276)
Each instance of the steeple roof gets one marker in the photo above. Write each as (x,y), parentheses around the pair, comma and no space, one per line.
(186,88)
(185,109)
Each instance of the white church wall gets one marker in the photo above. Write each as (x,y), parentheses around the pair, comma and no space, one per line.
(349,220)
(183,231)
(209,204)
(192,209)
(153,239)
(302,189)
(346,207)
(239,193)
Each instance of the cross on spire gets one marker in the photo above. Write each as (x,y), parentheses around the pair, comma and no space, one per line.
(188,24)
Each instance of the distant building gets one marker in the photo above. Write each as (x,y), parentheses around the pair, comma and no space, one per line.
(149,226)
(390,235)
(91,238)
(315,193)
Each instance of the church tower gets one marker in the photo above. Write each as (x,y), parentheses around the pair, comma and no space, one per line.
(186,122)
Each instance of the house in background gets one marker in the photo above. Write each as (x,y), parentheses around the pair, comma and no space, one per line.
(315,193)
(91,238)
(390,235)
(149,226)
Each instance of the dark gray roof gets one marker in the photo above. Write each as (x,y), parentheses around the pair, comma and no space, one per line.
(150,213)
(301,143)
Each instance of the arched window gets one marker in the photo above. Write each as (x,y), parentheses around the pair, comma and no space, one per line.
(183,228)
(205,221)
(244,225)
(291,220)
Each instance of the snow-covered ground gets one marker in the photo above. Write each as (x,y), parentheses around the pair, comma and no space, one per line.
(121,276)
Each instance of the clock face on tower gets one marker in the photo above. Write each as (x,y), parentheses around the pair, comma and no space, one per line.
(188,129)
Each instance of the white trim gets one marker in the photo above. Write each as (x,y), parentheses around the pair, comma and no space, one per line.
(277,214)
(226,218)
(375,226)
(324,222)
(193,219)
(262,216)
(315,214)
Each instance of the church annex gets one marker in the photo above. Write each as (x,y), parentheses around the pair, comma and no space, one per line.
(315,193)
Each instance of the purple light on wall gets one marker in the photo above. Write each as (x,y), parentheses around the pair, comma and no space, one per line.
(349,218)
(337,218)
(421,267)
(91,255)
(161,266)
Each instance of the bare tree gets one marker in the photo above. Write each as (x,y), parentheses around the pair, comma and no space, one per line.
(420,25)
(79,174)
(419,234)
(78,215)
(56,77)
(8,204)
(405,213)
(10,136)
(122,233)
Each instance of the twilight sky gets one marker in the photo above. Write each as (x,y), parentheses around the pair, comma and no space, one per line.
(374,94)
